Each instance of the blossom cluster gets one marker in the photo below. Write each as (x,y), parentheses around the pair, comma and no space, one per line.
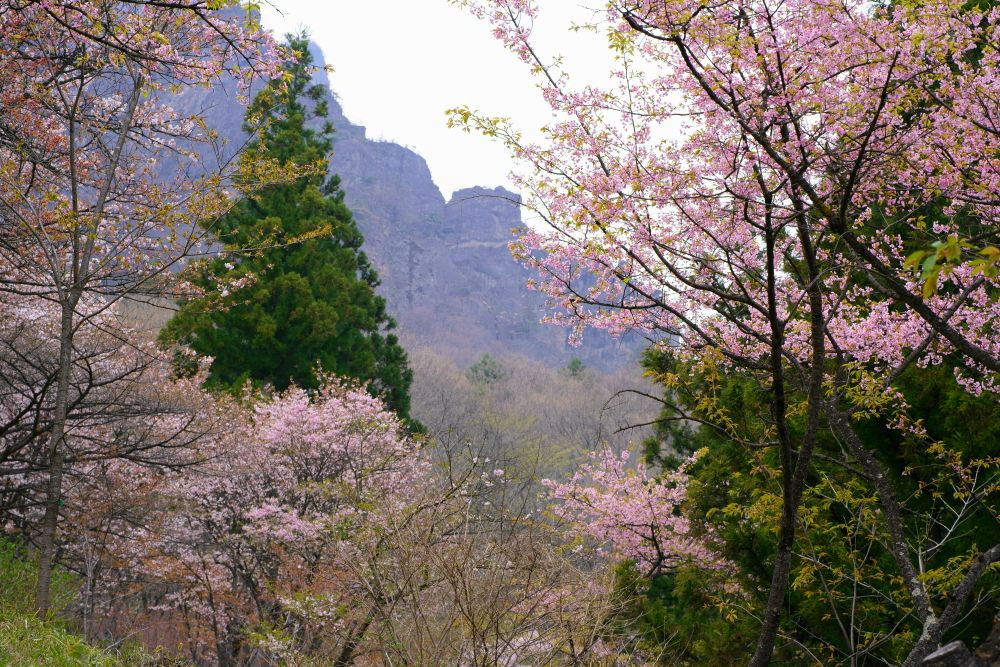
(637,513)
(739,139)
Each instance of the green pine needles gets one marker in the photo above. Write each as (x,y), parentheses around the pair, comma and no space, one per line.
(293,293)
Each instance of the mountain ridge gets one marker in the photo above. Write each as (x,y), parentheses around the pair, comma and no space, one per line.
(446,273)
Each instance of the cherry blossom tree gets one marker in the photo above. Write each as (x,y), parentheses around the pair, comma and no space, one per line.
(315,529)
(635,513)
(274,519)
(126,413)
(471,573)
(755,187)
(101,181)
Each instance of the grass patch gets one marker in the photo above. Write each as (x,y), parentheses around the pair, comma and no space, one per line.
(18,574)
(26,639)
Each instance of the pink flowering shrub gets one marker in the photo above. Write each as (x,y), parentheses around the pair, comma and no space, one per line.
(635,514)
(291,494)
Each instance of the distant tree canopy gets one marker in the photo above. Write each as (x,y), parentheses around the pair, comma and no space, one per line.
(295,293)
(486,371)
(575,368)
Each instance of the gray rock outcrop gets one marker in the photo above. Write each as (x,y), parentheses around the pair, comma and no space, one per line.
(447,275)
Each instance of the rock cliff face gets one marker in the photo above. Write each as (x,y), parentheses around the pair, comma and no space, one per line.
(446,273)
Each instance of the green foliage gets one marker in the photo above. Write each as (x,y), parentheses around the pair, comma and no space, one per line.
(846,593)
(944,256)
(26,640)
(18,570)
(575,368)
(294,293)
(486,371)
(680,617)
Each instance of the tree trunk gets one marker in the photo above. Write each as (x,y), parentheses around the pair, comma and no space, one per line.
(346,656)
(794,465)
(53,493)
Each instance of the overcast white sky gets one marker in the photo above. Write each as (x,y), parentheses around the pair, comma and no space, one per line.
(399,64)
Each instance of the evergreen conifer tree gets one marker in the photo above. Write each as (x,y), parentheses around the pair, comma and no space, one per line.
(310,302)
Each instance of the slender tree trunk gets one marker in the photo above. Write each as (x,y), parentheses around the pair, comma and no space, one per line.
(84,240)
(779,583)
(779,408)
(56,461)
(794,465)
(346,656)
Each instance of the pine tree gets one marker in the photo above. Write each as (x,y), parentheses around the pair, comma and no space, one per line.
(310,303)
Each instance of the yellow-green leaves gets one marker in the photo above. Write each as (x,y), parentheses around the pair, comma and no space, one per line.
(987,265)
(943,257)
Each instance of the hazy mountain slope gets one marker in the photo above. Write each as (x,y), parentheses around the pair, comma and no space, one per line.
(446,273)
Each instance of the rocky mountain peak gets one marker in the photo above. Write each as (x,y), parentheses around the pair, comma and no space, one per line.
(447,275)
